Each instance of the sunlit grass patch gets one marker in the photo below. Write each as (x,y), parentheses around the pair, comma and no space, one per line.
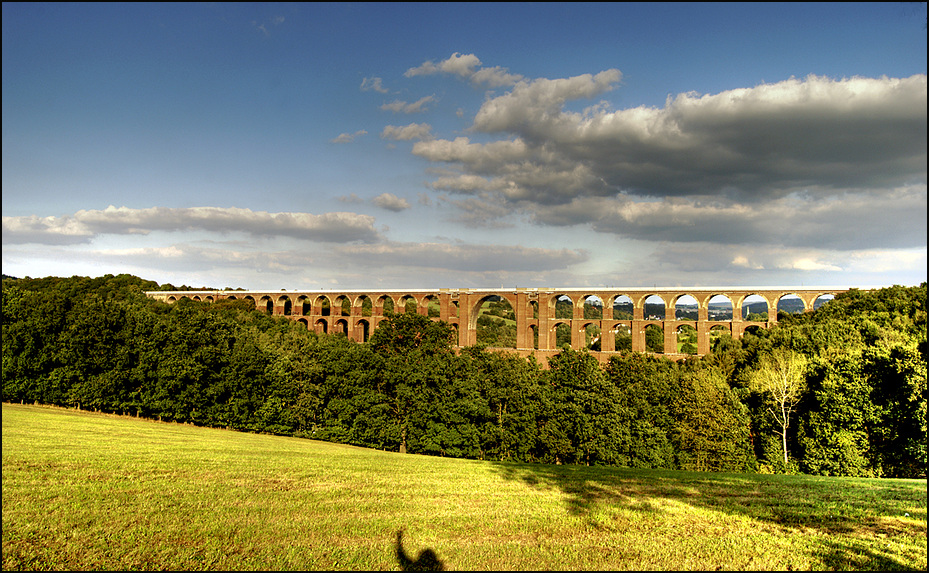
(93,491)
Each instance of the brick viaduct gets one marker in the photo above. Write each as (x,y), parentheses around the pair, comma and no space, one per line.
(356,313)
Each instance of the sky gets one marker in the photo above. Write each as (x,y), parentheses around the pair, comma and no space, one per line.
(433,145)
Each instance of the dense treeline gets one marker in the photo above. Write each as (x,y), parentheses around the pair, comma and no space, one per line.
(853,376)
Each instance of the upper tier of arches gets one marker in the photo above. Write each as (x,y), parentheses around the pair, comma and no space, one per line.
(544,320)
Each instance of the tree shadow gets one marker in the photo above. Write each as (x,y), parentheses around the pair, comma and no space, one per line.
(844,512)
(426,561)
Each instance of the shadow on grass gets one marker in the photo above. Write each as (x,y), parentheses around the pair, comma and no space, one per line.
(426,561)
(856,519)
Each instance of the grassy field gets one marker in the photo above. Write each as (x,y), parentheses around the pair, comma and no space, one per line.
(93,491)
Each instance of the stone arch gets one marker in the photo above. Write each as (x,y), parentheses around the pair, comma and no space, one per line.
(622,335)
(363,306)
(560,334)
(719,307)
(532,310)
(433,307)
(654,338)
(654,307)
(304,322)
(718,331)
(285,304)
(407,303)
(592,336)
(686,307)
(753,329)
(321,326)
(340,327)
(790,303)
(302,306)
(494,320)
(823,299)
(322,306)
(752,307)
(687,339)
(266,304)
(593,307)
(534,333)
(363,330)
(562,306)
(171,299)
(342,306)
(623,307)
(384,304)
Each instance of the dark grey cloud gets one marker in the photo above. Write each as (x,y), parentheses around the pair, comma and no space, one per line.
(755,143)
(812,162)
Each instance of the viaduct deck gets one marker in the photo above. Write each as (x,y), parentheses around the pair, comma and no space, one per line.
(356,313)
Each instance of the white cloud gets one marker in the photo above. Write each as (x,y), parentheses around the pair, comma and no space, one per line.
(391,202)
(407,132)
(535,107)
(85,225)
(468,68)
(808,264)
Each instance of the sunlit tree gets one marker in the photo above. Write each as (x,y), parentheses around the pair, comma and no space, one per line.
(781,375)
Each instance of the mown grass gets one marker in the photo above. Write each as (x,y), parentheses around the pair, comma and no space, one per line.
(93,491)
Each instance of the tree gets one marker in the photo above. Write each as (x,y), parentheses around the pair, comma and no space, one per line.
(646,387)
(781,376)
(898,377)
(839,415)
(401,333)
(415,351)
(711,427)
(582,419)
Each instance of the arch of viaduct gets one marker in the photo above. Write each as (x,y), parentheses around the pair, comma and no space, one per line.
(356,313)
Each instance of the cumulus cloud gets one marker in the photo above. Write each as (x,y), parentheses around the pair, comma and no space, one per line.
(391,202)
(85,225)
(407,132)
(767,141)
(812,162)
(467,67)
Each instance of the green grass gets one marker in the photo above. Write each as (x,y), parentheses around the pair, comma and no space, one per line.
(93,491)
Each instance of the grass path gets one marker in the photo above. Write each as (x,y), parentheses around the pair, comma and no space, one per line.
(93,491)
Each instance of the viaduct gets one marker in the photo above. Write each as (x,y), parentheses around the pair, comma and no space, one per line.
(545,318)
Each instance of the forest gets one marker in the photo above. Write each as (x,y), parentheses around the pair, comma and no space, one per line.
(840,391)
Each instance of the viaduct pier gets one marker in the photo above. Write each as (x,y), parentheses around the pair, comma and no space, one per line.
(545,319)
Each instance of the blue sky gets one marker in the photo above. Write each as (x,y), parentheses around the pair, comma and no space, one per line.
(304,146)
